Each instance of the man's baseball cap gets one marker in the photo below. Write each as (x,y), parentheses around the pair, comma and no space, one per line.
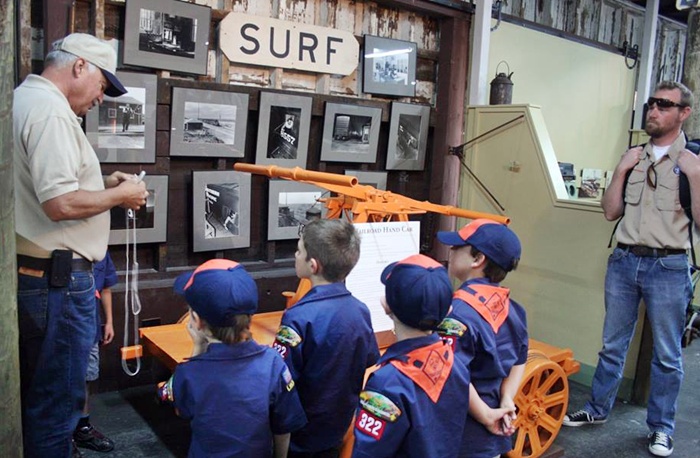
(495,240)
(418,291)
(99,53)
(217,290)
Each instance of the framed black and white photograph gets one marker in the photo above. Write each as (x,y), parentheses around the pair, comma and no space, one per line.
(151,220)
(292,204)
(167,34)
(408,136)
(375,179)
(350,133)
(283,130)
(220,210)
(389,66)
(208,123)
(123,129)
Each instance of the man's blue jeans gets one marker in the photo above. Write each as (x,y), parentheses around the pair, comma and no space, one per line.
(57,329)
(665,285)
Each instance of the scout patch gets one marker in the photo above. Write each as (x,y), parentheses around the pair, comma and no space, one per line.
(379,405)
(285,339)
(428,367)
(287,377)
(450,330)
(491,302)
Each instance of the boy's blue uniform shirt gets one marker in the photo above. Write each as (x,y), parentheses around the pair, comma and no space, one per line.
(105,277)
(400,419)
(489,357)
(236,396)
(327,341)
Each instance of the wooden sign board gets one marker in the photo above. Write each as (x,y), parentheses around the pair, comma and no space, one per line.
(275,43)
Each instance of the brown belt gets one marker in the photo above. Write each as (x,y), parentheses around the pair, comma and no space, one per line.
(44,264)
(648,252)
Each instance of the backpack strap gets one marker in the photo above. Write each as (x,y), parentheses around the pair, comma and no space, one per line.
(624,189)
(684,196)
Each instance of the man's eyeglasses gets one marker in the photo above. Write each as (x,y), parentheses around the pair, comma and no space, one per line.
(663,103)
(302,226)
(651,176)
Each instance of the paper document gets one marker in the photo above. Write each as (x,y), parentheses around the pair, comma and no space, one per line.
(382,244)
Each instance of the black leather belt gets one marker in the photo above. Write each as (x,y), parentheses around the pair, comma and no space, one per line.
(645,251)
(77,264)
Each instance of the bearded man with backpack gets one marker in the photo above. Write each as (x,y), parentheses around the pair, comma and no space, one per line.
(650,262)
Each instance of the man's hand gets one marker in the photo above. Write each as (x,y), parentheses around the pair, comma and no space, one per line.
(689,163)
(630,158)
(134,194)
(117,177)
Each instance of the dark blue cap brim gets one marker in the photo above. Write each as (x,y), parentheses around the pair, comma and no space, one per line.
(450,238)
(115,88)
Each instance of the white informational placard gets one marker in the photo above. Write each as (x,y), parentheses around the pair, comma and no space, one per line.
(382,244)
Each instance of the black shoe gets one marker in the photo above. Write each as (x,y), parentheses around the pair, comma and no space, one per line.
(581,417)
(76,453)
(89,437)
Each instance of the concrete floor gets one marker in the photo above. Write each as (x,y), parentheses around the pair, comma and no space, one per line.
(141,427)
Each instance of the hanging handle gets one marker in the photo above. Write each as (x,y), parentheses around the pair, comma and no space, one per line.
(508,72)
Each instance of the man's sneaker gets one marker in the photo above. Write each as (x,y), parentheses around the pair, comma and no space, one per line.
(89,437)
(76,453)
(581,417)
(660,444)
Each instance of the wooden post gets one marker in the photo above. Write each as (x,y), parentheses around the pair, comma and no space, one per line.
(57,18)
(691,70)
(449,125)
(10,407)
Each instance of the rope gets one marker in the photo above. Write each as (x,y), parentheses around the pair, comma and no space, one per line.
(131,292)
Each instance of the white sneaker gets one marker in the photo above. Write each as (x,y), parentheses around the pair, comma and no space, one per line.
(660,444)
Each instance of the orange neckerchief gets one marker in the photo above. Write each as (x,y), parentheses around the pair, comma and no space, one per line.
(491,302)
(428,367)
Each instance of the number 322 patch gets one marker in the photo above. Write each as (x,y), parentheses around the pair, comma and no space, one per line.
(370,425)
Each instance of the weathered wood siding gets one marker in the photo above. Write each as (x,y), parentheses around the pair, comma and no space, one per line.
(359,18)
(608,22)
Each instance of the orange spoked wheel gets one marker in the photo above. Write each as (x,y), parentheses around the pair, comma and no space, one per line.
(541,402)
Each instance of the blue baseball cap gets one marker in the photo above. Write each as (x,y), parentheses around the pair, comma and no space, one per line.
(418,291)
(495,240)
(217,290)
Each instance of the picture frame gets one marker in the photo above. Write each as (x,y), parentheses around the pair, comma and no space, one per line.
(123,129)
(208,123)
(151,219)
(408,136)
(220,210)
(389,66)
(592,183)
(283,129)
(377,180)
(291,204)
(350,133)
(167,34)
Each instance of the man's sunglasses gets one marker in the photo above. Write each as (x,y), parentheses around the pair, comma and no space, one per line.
(663,103)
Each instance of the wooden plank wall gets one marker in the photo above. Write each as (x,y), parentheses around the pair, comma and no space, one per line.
(608,23)
(270,262)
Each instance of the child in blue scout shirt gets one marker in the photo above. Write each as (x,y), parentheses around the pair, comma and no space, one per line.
(488,332)
(105,274)
(326,338)
(239,395)
(415,404)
